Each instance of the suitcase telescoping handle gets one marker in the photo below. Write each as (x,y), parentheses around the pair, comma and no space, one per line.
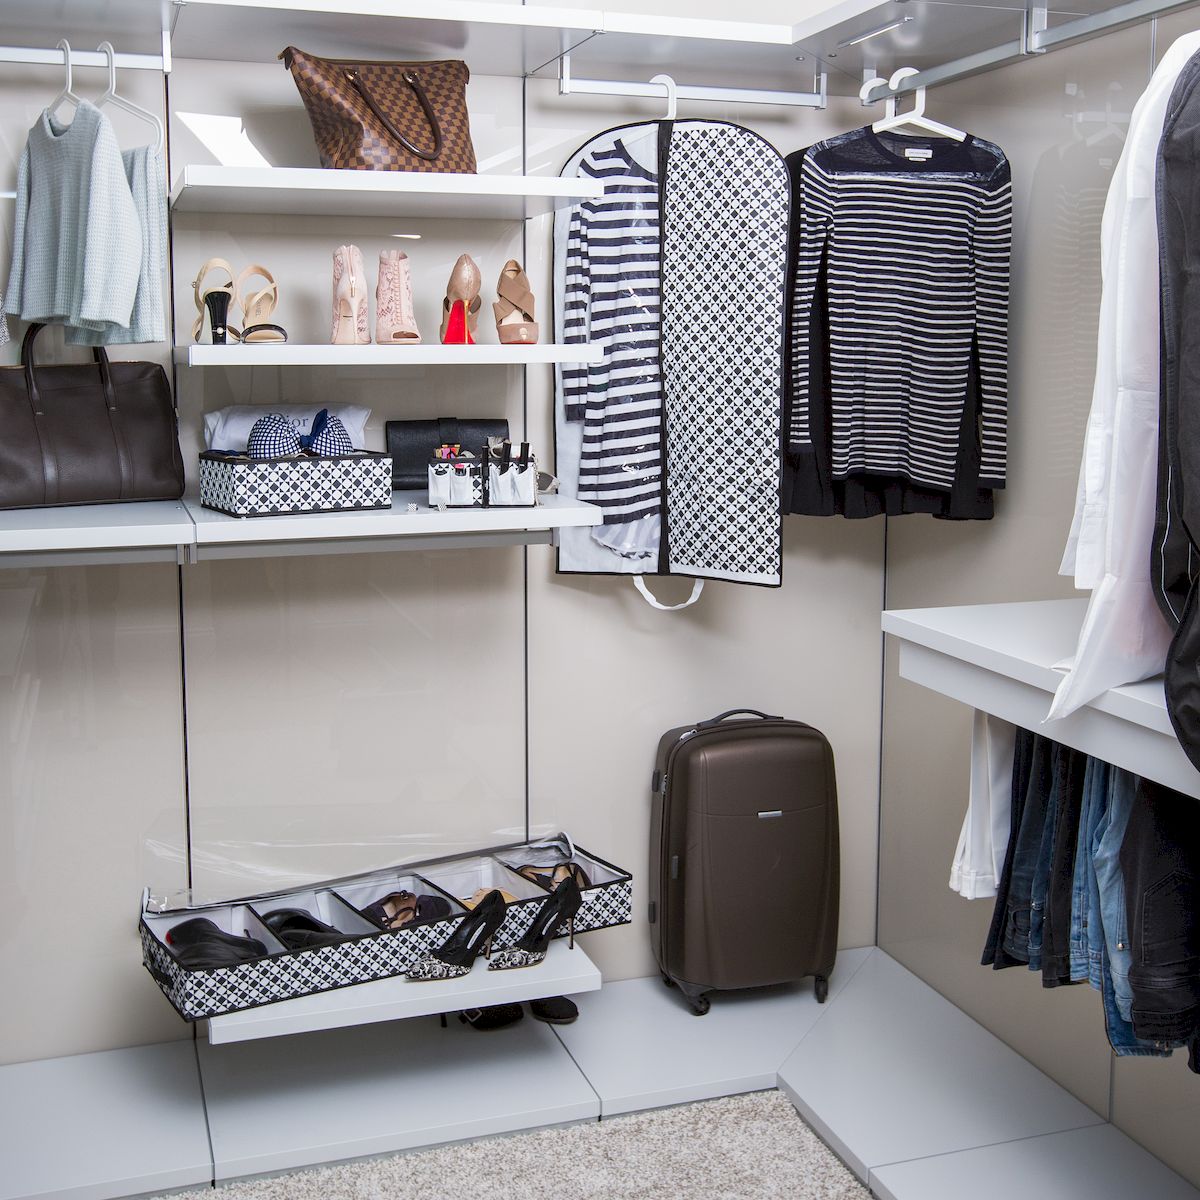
(737,712)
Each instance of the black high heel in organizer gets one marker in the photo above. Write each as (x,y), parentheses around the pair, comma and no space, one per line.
(471,936)
(561,905)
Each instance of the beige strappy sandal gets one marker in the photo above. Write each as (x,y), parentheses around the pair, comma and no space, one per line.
(213,303)
(514,310)
(257,307)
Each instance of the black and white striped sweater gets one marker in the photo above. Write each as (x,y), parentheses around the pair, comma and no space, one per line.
(897,363)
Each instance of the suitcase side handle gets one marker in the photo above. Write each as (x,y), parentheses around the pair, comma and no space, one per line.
(737,712)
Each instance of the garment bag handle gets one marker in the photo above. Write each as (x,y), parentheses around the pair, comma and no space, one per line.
(640,584)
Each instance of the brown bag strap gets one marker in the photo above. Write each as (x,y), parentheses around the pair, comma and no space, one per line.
(49,459)
(410,77)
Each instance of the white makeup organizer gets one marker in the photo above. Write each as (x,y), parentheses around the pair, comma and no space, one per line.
(155,1129)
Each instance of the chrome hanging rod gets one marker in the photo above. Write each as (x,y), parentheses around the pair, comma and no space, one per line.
(568,85)
(1038,37)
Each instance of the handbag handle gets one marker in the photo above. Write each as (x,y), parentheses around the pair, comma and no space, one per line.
(50,472)
(737,712)
(413,82)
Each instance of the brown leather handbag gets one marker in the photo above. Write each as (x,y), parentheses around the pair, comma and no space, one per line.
(386,116)
(86,434)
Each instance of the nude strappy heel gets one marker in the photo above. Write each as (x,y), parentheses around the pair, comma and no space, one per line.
(213,303)
(460,308)
(514,310)
(258,306)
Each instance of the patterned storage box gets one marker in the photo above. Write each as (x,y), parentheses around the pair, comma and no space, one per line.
(249,487)
(368,951)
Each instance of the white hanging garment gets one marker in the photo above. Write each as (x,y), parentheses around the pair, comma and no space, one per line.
(983,842)
(1124,637)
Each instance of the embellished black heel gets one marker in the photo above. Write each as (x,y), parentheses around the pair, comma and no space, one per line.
(472,936)
(561,905)
(217,304)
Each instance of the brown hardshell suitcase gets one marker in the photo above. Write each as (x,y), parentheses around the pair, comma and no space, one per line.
(744,869)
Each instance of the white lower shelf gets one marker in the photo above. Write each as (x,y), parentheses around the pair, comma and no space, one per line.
(564,972)
(139,531)
(427,354)
(999,658)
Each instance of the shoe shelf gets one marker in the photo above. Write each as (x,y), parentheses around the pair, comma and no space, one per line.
(315,192)
(427,354)
(183,531)
(1000,659)
(565,972)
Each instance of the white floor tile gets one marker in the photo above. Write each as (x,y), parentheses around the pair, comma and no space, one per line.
(640,1046)
(96,1126)
(294,1101)
(894,1071)
(1098,1163)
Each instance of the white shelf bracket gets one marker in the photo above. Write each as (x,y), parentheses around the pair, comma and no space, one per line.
(1036,23)
(569,85)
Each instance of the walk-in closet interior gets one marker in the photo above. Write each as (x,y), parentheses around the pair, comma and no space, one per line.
(535,541)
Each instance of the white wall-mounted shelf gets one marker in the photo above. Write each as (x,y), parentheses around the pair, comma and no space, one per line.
(564,972)
(427,354)
(314,192)
(218,535)
(183,531)
(999,658)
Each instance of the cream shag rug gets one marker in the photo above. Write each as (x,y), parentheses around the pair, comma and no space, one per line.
(739,1148)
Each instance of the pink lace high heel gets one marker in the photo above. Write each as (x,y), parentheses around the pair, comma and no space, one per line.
(395,324)
(349,298)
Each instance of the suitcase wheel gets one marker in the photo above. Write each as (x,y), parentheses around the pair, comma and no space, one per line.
(700,1005)
(667,979)
(821,989)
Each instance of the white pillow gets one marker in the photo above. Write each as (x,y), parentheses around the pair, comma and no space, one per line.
(229,428)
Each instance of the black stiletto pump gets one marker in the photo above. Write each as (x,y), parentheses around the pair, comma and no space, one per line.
(471,936)
(561,905)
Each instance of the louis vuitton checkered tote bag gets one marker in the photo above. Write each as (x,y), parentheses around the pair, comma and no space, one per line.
(386,116)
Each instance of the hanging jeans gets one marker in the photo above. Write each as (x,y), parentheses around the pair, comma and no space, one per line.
(1008,939)
(1087,930)
(1160,864)
(1070,777)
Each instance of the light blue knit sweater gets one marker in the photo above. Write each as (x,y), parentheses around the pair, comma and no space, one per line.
(77,240)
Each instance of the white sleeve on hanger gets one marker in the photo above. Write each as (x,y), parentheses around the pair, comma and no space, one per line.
(993,249)
(983,842)
(815,209)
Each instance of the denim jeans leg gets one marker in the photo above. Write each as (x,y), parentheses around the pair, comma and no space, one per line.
(1094,787)
(1120,1032)
(1014,944)
(1111,882)
(1097,952)
(994,955)
(1040,882)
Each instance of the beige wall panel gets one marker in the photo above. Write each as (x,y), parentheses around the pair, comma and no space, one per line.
(608,675)
(1059,185)
(91,802)
(92,767)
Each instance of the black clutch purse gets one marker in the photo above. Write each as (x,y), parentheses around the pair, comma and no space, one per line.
(412,443)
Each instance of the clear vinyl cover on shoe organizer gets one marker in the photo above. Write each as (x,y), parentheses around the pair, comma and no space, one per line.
(366,949)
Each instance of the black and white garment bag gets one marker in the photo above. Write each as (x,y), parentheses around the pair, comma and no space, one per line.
(677,272)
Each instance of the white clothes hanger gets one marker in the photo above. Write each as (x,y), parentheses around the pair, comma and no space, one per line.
(66,93)
(672,93)
(110,96)
(915,116)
